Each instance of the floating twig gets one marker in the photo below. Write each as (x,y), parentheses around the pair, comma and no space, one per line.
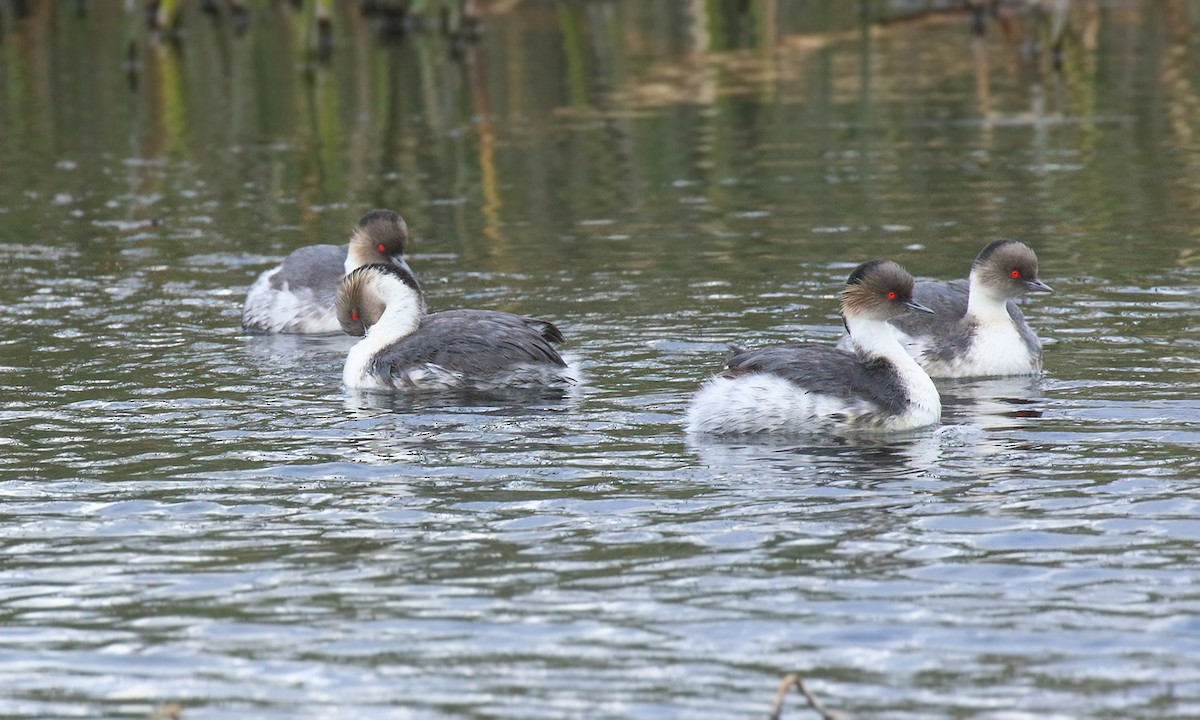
(170,711)
(795,681)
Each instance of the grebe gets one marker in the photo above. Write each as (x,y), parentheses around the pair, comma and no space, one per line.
(976,329)
(405,349)
(811,388)
(298,295)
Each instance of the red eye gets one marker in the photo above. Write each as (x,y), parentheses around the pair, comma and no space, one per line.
(1016,274)
(354,316)
(380,247)
(891,294)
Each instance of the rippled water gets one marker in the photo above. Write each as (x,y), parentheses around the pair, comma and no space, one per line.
(197,516)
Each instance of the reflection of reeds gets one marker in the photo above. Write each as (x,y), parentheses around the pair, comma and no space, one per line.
(638,95)
(458,19)
(165,15)
(489,178)
(171,112)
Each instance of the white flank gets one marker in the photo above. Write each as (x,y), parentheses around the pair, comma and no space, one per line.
(285,310)
(761,403)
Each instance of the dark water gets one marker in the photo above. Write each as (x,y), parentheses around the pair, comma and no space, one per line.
(192,515)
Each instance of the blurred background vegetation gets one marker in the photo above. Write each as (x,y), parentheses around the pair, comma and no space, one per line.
(488,116)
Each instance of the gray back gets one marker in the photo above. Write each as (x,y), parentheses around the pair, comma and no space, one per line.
(476,343)
(319,268)
(828,371)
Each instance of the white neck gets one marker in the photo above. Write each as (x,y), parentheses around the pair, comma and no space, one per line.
(875,339)
(403,315)
(984,305)
(360,253)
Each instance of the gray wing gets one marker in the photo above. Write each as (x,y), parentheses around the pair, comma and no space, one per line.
(944,335)
(545,328)
(826,370)
(947,300)
(319,268)
(1028,336)
(476,343)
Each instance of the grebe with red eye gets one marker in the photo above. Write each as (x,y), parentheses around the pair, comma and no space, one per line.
(297,296)
(405,349)
(977,329)
(873,385)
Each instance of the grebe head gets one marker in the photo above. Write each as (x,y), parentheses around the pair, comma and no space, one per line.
(371,290)
(879,290)
(380,235)
(1008,269)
